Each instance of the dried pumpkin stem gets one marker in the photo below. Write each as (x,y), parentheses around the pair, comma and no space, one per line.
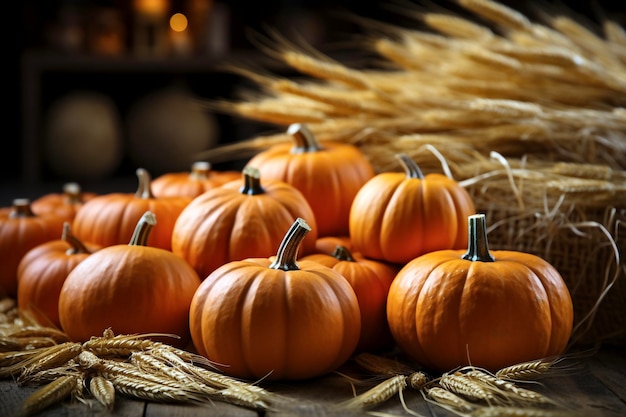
(410,166)
(343,254)
(142,230)
(76,246)
(200,170)
(288,249)
(21,208)
(304,139)
(72,193)
(478,247)
(251,182)
(143,189)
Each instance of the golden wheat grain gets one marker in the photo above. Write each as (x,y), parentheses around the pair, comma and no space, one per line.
(41,332)
(241,396)
(513,392)
(56,356)
(144,389)
(377,394)
(417,380)
(526,370)
(460,384)
(520,412)
(9,344)
(457,27)
(324,69)
(48,375)
(498,13)
(48,395)
(13,357)
(444,397)
(103,391)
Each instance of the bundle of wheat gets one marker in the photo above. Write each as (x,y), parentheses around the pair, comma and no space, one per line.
(543,94)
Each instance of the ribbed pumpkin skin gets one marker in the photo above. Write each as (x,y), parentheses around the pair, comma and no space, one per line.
(109,219)
(329,178)
(132,289)
(41,274)
(445,311)
(370,281)
(268,323)
(224,224)
(17,237)
(396,218)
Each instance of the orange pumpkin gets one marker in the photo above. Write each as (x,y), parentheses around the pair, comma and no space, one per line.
(191,184)
(328,244)
(130,288)
(370,280)
(329,174)
(20,231)
(240,219)
(64,204)
(396,216)
(452,308)
(276,318)
(108,219)
(42,271)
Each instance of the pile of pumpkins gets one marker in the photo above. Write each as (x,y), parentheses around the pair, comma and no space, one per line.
(286,269)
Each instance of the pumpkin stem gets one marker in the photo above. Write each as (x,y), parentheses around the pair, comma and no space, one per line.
(142,230)
(478,247)
(343,254)
(143,189)
(304,138)
(200,170)
(410,166)
(288,249)
(21,208)
(76,246)
(72,193)
(251,182)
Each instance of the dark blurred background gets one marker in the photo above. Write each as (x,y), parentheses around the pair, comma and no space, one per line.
(97,88)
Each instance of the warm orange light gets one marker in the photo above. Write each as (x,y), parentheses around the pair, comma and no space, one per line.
(152,7)
(178,22)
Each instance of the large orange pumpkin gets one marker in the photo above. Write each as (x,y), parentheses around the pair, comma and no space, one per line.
(109,219)
(20,231)
(42,272)
(396,216)
(452,308)
(370,280)
(240,219)
(191,184)
(131,288)
(329,174)
(276,318)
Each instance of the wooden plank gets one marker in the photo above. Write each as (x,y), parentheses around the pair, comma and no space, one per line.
(609,366)
(581,391)
(191,410)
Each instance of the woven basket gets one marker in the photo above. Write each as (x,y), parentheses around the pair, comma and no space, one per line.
(580,230)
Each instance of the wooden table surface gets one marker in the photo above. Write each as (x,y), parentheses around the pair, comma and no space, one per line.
(587,384)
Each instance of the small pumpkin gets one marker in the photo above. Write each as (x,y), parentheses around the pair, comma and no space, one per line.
(396,216)
(329,174)
(130,288)
(370,280)
(64,204)
(191,184)
(328,244)
(276,318)
(108,219)
(42,271)
(452,308)
(20,231)
(240,219)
